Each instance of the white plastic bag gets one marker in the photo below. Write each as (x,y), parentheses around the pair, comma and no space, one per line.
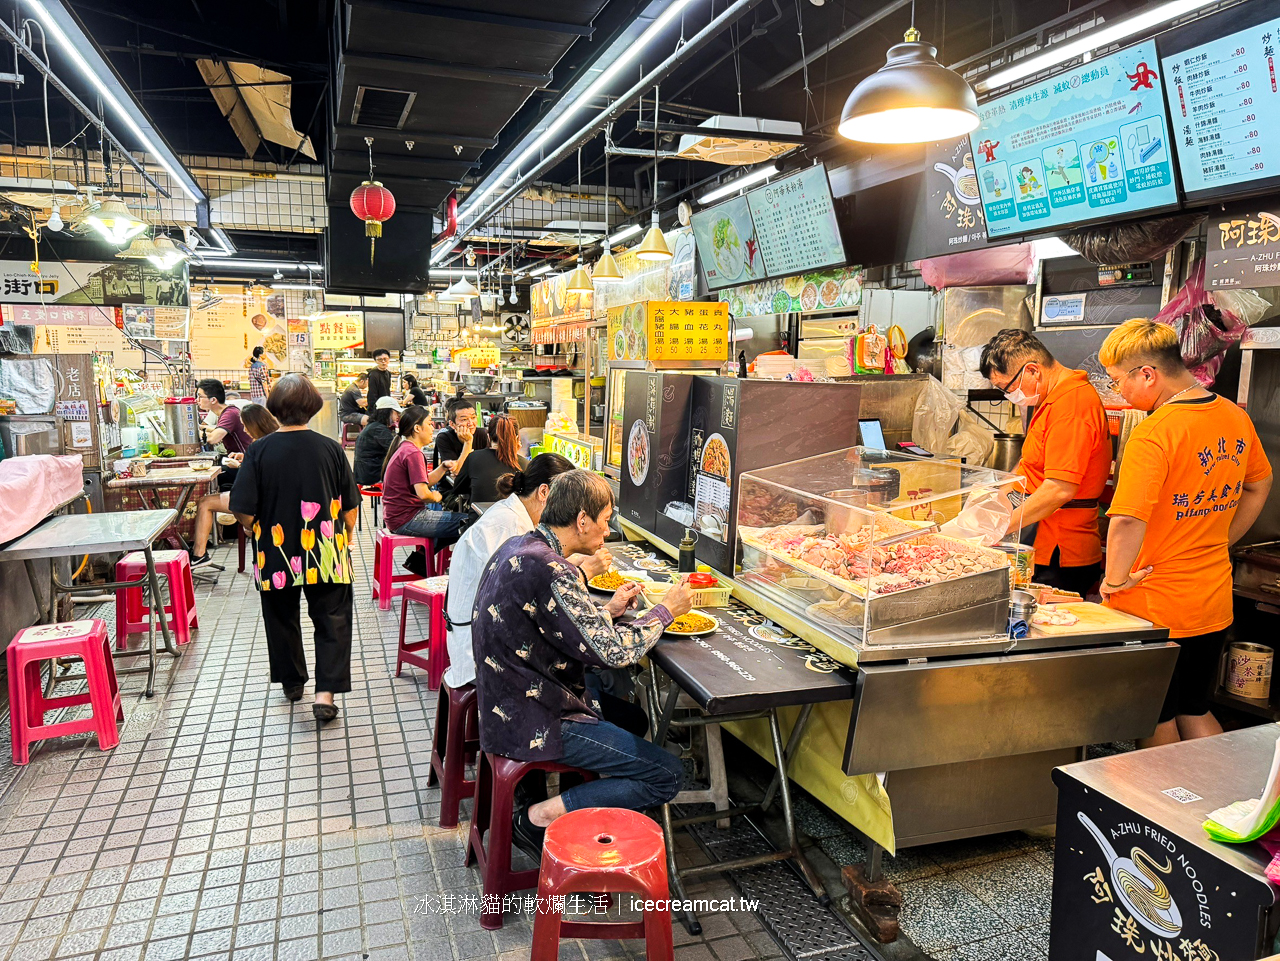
(983,519)
(937,410)
(971,441)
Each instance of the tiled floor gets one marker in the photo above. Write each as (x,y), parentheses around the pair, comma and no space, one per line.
(226,824)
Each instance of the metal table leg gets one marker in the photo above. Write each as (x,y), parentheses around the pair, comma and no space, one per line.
(157,611)
(788,816)
(793,742)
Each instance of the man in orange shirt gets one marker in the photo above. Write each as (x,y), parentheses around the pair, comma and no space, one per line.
(1193,480)
(1066,457)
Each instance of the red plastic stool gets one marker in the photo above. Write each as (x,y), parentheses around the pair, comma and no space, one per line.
(430,591)
(602,850)
(387,584)
(133,616)
(454,742)
(86,640)
(496,780)
(374,493)
(349,434)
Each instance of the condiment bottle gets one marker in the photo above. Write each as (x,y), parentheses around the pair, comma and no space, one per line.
(686,563)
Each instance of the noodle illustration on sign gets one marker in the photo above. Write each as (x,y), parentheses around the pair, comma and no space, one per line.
(1139,887)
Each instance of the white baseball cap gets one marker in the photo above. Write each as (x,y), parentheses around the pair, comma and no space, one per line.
(387,402)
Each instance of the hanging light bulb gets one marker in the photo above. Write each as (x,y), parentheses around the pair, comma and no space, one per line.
(166,254)
(114,222)
(654,246)
(55,221)
(911,99)
(515,296)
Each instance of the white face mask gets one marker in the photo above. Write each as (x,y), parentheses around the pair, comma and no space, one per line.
(1021,399)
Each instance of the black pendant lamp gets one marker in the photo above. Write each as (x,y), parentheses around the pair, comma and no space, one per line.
(911,99)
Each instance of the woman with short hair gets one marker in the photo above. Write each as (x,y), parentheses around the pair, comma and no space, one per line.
(298,495)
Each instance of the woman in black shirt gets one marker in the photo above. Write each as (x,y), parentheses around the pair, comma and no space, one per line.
(372,444)
(413,394)
(478,479)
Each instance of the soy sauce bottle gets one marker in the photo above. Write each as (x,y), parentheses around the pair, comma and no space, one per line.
(686,563)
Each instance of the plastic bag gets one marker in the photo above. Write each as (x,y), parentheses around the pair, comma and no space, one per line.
(971,442)
(993,267)
(1246,305)
(984,518)
(1204,330)
(937,410)
(1129,243)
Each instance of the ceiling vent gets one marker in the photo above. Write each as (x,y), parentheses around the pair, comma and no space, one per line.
(736,148)
(382,107)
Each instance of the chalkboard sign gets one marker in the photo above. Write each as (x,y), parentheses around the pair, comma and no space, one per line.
(785,227)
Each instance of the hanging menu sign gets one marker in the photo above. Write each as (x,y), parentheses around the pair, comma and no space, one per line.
(1225,103)
(785,227)
(1244,246)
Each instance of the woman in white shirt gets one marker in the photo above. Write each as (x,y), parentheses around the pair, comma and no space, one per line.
(524,496)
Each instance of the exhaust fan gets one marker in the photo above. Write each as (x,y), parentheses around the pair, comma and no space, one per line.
(734,147)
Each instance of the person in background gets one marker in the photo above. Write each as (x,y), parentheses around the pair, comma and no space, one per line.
(379,377)
(258,378)
(352,405)
(454,444)
(413,394)
(1193,480)
(259,423)
(477,481)
(228,430)
(1066,457)
(409,503)
(375,440)
(524,497)
(297,494)
(535,631)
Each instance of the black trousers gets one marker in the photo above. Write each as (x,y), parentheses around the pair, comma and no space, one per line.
(1081,580)
(330,608)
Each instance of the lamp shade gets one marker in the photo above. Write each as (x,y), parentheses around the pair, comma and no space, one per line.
(579,282)
(114,222)
(141,249)
(606,271)
(911,99)
(654,246)
(465,287)
(165,254)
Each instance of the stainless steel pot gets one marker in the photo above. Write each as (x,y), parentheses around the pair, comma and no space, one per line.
(1008,452)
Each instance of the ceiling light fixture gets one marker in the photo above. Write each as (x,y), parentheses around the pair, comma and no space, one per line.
(654,246)
(141,249)
(630,230)
(606,271)
(114,222)
(733,186)
(539,271)
(1102,37)
(165,254)
(911,99)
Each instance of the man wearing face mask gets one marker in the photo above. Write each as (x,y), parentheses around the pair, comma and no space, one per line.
(1193,480)
(1066,457)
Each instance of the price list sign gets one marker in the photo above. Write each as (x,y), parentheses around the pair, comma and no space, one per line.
(1225,103)
(688,332)
(796,223)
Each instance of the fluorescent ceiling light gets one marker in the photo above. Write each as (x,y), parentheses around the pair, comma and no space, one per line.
(1103,37)
(733,186)
(62,26)
(266,265)
(539,271)
(630,230)
(296,287)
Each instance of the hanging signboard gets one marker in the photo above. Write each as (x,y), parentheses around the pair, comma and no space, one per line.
(953,218)
(561,334)
(669,333)
(823,290)
(228,322)
(64,339)
(1244,246)
(674,279)
(92,282)
(41,315)
(337,331)
(553,304)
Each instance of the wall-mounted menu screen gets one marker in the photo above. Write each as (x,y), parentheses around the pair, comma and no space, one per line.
(785,227)
(1085,145)
(1225,103)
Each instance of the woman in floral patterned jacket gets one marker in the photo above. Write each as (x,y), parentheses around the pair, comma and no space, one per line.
(296,492)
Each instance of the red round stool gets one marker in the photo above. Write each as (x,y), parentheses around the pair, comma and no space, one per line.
(429,591)
(496,780)
(374,493)
(602,851)
(454,742)
(133,615)
(28,650)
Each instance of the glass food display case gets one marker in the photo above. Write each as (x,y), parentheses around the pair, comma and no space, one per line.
(881,550)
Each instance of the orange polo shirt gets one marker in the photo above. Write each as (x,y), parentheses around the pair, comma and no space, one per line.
(1068,440)
(1182,473)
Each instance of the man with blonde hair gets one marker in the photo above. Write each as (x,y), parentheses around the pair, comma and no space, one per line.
(1193,480)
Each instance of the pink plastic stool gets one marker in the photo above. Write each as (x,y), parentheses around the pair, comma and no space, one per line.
(86,640)
(435,662)
(602,851)
(133,616)
(387,584)
(496,780)
(455,741)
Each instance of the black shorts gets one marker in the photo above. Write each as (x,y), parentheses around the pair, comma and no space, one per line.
(1193,676)
(1079,580)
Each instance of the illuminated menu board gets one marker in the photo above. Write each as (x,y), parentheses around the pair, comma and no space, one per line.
(1225,106)
(786,227)
(1087,144)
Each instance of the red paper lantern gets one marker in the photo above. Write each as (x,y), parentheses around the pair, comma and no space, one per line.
(374,204)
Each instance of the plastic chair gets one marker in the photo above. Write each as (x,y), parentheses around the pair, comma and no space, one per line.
(455,742)
(28,704)
(496,780)
(429,591)
(349,434)
(387,584)
(602,851)
(374,493)
(133,616)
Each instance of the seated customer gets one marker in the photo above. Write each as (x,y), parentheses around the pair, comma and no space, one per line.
(409,503)
(375,440)
(477,481)
(257,420)
(351,403)
(536,630)
(453,444)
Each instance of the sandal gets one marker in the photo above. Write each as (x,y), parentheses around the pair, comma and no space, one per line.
(324,712)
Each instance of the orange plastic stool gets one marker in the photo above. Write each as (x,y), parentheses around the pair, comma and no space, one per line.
(29,648)
(602,851)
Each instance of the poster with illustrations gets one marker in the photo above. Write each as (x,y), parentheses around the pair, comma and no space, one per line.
(228,322)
